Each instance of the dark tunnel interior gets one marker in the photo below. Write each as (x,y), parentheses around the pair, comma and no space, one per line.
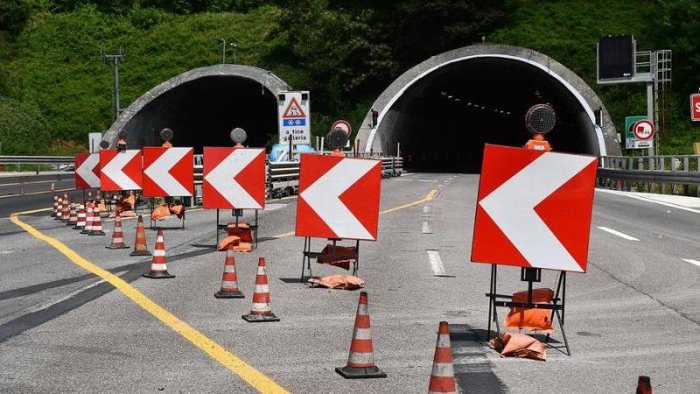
(444,119)
(203,112)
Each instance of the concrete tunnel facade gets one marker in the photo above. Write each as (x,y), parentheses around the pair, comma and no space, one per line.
(202,106)
(440,113)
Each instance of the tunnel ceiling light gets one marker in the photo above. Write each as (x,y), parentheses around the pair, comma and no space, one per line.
(443,93)
(449,96)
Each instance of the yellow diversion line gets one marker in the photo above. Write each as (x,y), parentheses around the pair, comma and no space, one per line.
(252,376)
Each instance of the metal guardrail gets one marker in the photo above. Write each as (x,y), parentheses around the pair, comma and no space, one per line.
(37,159)
(651,173)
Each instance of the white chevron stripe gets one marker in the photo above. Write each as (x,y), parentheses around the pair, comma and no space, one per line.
(323,197)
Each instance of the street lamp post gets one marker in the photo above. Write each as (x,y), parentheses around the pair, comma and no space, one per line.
(223,50)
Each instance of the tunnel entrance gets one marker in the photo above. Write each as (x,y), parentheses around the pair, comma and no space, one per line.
(440,114)
(202,106)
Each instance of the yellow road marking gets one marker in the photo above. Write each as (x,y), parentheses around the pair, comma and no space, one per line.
(428,197)
(252,376)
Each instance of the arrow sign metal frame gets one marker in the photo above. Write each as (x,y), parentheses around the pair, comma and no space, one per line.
(534,209)
(121,170)
(87,171)
(168,172)
(338,197)
(233,178)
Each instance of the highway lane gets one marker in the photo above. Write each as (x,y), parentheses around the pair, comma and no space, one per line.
(36,195)
(630,314)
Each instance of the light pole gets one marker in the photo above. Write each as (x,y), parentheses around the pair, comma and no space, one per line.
(234,47)
(223,50)
(116,59)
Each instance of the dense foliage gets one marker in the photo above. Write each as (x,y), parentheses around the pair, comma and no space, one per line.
(55,86)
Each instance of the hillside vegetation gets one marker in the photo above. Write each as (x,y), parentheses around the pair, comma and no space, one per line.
(55,88)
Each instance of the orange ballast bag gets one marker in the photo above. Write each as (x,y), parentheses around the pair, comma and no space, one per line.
(339,256)
(531,318)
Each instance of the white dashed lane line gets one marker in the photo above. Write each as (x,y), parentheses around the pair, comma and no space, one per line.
(436,263)
(619,234)
(693,262)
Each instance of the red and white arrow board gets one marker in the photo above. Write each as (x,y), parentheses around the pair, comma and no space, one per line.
(534,209)
(121,170)
(87,170)
(338,197)
(168,172)
(234,178)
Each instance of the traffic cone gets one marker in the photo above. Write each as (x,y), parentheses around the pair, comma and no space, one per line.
(261,311)
(442,379)
(361,359)
(96,222)
(644,385)
(65,211)
(229,280)
(59,208)
(88,219)
(140,246)
(117,235)
(73,215)
(159,269)
(81,218)
(55,206)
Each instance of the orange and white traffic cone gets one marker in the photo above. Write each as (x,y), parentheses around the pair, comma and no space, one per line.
(361,359)
(73,215)
(644,385)
(117,235)
(442,379)
(88,220)
(140,247)
(59,208)
(54,212)
(261,311)
(229,280)
(65,210)
(96,222)
(159,269)
(81,218)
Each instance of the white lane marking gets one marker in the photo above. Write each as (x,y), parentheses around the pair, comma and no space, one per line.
(426,209)
(619,234)
(436,263)
(6,251)
(272,207)
(427,180)
(643,198)
(691,261)
(426,228)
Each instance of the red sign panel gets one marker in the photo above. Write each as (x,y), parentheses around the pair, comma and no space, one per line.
(234,178)
(121,170)
(695,107)
(87,170)
(338,197)
(168,172)
(534,209)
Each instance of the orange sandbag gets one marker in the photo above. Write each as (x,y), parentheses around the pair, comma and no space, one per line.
(339,256)
(230,240)
(101,207)
(242,230)
(519,345)
(177,210)
(343,282)
(531,318)
(243,247)
(160,212)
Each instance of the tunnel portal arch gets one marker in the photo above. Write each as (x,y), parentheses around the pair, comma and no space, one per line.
(441,112)
(202,106)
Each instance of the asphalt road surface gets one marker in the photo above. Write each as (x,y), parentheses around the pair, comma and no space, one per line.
(62,328)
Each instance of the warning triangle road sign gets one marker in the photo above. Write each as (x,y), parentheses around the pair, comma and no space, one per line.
(293,110)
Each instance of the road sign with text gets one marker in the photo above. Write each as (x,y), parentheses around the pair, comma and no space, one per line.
(695,107)
(87,170)
(294,117)
(121,170)
(534,209)
(168,172)
(338,197)
(234,178)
